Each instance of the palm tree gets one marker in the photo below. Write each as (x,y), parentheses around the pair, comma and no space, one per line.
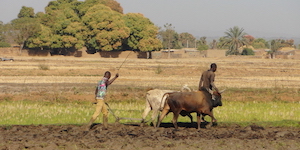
(234,39)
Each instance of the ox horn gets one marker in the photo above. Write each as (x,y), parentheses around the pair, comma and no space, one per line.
(222,91)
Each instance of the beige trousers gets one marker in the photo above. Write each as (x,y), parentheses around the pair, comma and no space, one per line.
(100,107)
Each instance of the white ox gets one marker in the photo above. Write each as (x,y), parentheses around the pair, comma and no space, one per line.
(155,102)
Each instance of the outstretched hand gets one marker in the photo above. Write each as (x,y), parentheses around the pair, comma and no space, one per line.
(117,75)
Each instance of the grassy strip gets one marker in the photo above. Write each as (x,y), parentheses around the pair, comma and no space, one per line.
(272,113)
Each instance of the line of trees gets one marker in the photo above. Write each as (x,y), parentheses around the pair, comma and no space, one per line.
(100,25)
(235,38)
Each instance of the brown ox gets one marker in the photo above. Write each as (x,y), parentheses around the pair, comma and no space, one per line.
(155,101)
(199,102)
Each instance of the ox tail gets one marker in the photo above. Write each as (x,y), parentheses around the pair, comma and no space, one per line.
(163,101)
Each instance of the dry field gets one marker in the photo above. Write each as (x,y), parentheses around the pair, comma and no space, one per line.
(237,72)
(43,75)
(69,78)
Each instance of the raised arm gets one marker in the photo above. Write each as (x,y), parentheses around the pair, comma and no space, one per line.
(112,80)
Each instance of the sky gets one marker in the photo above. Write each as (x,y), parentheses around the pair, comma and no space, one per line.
(210,18)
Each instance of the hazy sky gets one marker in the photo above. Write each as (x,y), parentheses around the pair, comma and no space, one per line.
(259,18)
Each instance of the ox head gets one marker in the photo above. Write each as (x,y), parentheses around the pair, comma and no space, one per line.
(217,96)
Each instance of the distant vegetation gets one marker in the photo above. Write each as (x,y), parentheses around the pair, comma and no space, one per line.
(247,51)
(100,25)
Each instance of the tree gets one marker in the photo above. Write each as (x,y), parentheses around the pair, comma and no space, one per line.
(202,44)
(275,46)
(114,5)
(42,40)
(169,38)
(214,44)
(187,40)
(202,47)
(260,43)
(105,28)
(61,28)
(143,33)
(221,43)
(23,28)
(234,39)
(26,12)
(87,4)
(249,39)
(288,43)
(202,40)
(2,32)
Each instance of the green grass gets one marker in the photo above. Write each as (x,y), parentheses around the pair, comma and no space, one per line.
(273,113)
(44,67)
(26,112)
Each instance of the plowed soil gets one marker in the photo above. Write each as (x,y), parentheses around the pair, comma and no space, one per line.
(132,136)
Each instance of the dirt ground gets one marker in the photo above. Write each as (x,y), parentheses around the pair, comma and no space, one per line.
(134,137)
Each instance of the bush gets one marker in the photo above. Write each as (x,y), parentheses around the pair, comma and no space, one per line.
(44,67)
(202,47)
(4,44)
(247,51)
(158,69)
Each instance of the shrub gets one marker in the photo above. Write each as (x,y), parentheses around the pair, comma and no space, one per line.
(44,67)
(202,47)
(158,69)
(4,44)
(247,51)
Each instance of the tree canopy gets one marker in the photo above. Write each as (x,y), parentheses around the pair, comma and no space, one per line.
(3,31)
(26,12)
(99,25)
(2,36)
(105,28)
(23,29)
(169,37)
(61,28)
(143,33)
(187,40)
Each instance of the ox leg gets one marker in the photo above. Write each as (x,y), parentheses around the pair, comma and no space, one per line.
(175,117)
(162,116)
(154,117)
(198,120)
(202,118)
(191,117)
(203,115)
(145,113)
(213,119)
